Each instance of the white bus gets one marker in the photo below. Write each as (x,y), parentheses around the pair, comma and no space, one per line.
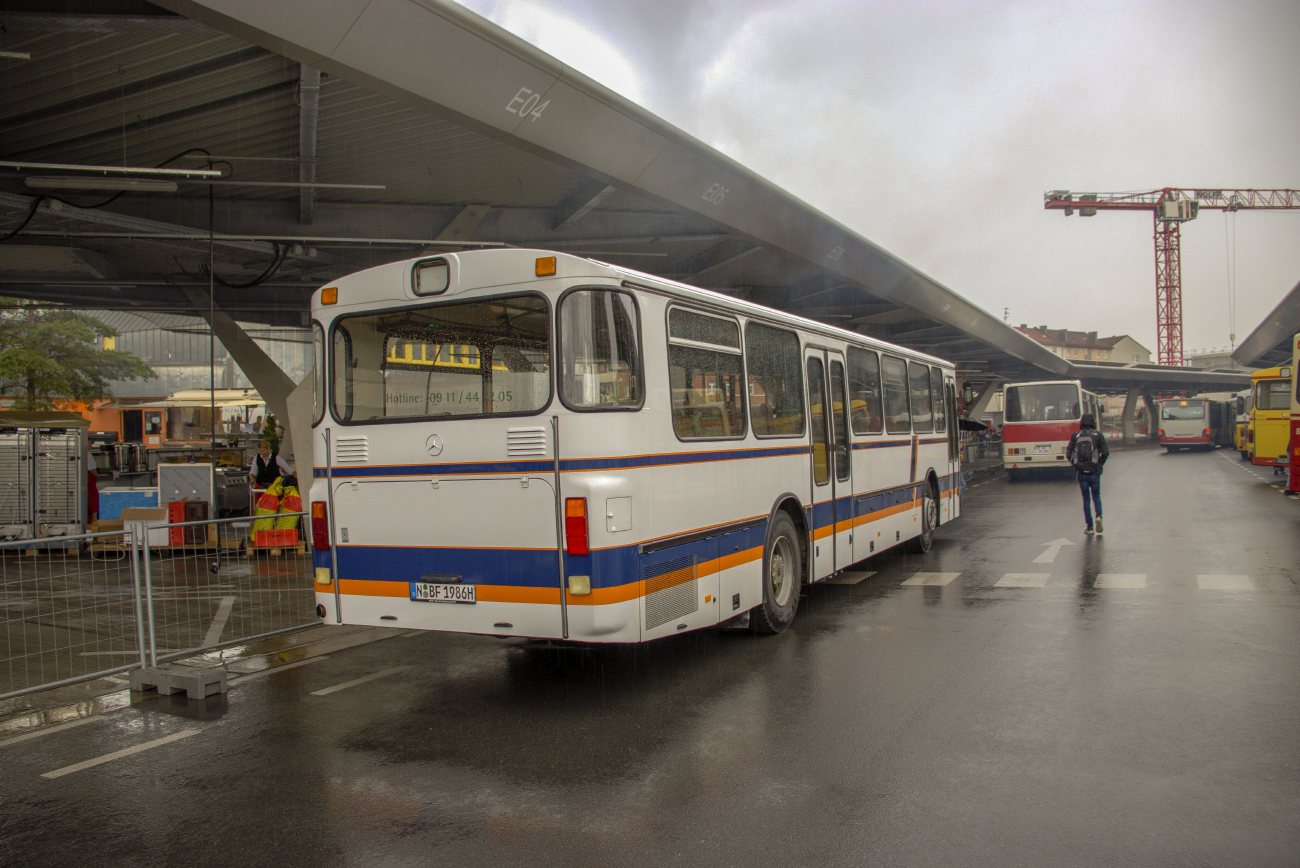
(524,443)
(1038,420)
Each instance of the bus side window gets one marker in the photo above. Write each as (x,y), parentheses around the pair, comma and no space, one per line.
(864,392)
(936,389)
(342,364)
(705,376)
(775,381)
(922,418)
(897,418)
(600,356)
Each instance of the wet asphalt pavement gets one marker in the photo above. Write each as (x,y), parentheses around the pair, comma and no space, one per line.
(1135,701)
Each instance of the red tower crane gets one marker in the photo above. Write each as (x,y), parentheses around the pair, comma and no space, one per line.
(1170,208)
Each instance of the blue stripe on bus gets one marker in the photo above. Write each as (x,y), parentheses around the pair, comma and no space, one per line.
(536,568)
(566,465)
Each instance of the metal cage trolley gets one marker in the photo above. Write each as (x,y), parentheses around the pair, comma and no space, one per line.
(525,443)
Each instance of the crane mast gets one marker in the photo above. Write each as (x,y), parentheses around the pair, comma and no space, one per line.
(1170,207)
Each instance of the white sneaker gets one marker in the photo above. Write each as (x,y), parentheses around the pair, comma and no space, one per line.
(1098,524)
(1087,530)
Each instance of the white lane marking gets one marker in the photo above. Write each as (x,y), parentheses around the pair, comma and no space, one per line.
(1225,583)
(362,680)
(47,730)
(219,621)
(932,579)
(1053,549)
(849,578)
(118,754)
(274,669)
(1023,580)
(1120,580)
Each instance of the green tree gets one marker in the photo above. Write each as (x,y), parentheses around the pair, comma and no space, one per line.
(48,354)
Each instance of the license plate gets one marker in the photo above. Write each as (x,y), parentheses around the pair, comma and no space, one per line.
(1044,448)
(424,592)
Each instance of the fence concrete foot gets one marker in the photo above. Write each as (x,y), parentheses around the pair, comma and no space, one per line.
(197,683)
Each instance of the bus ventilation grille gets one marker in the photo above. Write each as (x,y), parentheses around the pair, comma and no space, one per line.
(670,591)
(351,450)
(523,442)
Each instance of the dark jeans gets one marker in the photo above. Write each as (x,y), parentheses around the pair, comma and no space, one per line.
(1090,482)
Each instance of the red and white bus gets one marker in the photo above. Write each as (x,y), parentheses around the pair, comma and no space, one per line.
(1293,478)
(1038,420)
(1195,423)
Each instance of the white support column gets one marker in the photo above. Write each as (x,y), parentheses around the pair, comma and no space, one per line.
(1153,422)
(1129,419)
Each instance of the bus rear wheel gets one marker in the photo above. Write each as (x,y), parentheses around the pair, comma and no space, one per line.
(782,577)
(929,520)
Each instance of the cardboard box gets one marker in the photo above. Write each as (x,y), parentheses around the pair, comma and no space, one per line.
(150,520)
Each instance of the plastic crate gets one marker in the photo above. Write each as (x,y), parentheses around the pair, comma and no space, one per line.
(275,539)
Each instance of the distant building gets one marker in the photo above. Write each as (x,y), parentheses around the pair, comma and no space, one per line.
(1072,345)
(1218,359)
(1088,346)
(1125,350)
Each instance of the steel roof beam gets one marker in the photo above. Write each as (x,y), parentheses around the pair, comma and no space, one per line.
(308,121)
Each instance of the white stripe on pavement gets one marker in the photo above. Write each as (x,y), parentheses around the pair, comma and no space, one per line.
(932,579)
(850,578)
(118,754)
(219,621)
(1023,580)
(1120,580)
(1225,583)
(14,739)
(271,670)
(362,680)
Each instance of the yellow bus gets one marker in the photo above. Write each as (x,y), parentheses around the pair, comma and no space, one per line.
(1270,420)
(1242,402)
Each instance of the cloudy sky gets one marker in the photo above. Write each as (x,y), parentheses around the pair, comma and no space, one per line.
(933,128)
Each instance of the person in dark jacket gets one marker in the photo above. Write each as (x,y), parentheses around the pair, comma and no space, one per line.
(1088,452)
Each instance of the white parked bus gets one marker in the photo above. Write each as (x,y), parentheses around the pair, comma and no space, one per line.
(1038,420)
(524,443)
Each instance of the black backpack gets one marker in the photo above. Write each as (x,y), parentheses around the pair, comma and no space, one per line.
(1085,450)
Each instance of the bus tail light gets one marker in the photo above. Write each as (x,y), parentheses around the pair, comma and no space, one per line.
(575,526)
(1205,433)
(320,526)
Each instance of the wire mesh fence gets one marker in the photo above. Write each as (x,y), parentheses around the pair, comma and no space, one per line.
(69,610)
(86,606)
(225,581)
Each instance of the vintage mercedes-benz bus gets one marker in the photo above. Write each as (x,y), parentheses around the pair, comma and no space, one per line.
(525,443)
(1038,420)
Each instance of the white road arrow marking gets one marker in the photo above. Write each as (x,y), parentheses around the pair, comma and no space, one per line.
(1053,549)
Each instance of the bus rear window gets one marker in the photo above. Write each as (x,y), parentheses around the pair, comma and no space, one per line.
(480,358)
(1182,410)
(1044,402)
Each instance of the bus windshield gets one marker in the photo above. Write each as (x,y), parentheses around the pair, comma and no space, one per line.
(488,357)
(1176,410)
(1042,402)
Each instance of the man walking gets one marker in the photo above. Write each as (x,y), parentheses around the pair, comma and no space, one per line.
(1088,452)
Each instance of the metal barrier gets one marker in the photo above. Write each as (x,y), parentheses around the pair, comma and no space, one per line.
(982,455)
(79,607)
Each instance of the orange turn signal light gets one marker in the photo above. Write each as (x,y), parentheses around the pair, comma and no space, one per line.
(545,266)
(329,295)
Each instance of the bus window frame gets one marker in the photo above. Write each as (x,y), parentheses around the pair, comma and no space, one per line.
(336,326)
(557,349)
(320,372)
(739,351)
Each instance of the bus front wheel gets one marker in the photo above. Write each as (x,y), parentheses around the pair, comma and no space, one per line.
(782,577)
